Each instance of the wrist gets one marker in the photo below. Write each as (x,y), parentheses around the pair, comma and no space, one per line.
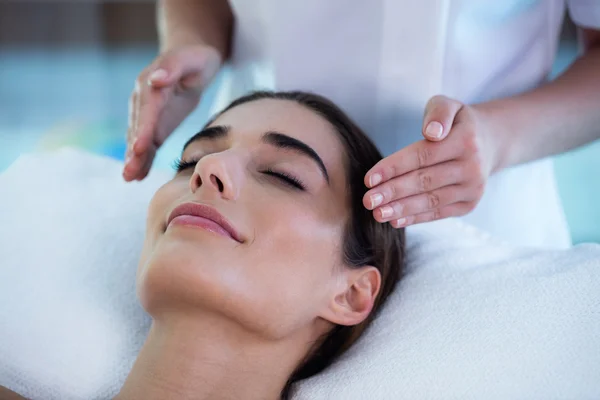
(499,135)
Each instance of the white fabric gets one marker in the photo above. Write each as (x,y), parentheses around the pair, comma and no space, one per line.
(585,13)
(472,319)
(476,319)
(70,236)
(381,60)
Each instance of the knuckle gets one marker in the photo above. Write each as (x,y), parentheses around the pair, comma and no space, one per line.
(470,142)
(392,170)
(398,208)
(392,193)
(433,200)
(424,181)
(423,156)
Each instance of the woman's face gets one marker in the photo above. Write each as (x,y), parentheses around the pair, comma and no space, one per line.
(275,171)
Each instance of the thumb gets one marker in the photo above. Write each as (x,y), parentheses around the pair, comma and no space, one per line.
(190,67)
(440,112)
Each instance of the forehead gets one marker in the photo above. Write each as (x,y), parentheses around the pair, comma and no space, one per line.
(254,118)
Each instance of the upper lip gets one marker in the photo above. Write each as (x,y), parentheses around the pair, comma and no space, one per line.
(208,212)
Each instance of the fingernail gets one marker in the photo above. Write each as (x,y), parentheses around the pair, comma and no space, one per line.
(133,144)
(434,129)
(157,75)
(386,211)
(401,222)
(375,179)
(376,200)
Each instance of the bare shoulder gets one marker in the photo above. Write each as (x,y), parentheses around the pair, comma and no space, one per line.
(6,394)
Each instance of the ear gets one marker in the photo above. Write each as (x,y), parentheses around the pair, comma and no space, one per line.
(354,296)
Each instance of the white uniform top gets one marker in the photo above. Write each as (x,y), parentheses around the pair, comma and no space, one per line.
(381,60)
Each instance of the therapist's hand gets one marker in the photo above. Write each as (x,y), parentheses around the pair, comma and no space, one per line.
(439,177)
(165,93)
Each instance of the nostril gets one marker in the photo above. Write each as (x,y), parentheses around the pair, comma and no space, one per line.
(217,182)
(197,181)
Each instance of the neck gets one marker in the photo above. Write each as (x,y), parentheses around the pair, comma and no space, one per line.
(186,359)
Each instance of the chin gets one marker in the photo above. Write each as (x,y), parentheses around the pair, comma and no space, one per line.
(179,274)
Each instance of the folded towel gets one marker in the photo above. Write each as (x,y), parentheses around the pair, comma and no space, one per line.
(474,318)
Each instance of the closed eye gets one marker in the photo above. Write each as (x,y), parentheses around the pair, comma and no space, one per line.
(180,165)
(286,178)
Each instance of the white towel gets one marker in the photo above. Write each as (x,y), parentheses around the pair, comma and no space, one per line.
(475,319)
(70,234)
(472,319)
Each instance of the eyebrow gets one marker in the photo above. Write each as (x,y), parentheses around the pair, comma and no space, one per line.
(273,138)
(212,132)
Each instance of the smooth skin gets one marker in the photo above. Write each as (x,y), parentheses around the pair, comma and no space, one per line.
(442,176)
(445,174)
(232,320)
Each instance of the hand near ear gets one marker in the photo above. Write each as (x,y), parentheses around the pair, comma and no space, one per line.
(439,177)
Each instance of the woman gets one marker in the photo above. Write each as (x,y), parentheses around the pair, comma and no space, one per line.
(383,62)
(260,266)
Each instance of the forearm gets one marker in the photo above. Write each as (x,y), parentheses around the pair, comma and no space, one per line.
(559,116)
(183,22)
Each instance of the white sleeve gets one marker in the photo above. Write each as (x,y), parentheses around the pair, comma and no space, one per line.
(585,13)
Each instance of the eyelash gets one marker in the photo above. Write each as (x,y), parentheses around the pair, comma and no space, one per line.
(180,165)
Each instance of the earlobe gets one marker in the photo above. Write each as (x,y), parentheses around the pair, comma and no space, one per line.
(355,297)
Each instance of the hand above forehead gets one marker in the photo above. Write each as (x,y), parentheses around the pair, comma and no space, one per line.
(165,93)
(443,175)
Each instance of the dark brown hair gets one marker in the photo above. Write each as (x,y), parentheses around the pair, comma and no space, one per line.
(366,241)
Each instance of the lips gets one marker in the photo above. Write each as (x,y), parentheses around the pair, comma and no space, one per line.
(204,216)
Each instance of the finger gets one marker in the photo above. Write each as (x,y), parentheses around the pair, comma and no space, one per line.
(132,122)
(190,68)
(165,71)
(149,159)
(421,203)
(150,104)
(416,182)
(416,156)
(452,210)
(439,117)
(133,167)
(135,157)
(160,77)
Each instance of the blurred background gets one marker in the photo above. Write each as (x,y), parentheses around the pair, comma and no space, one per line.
(67,70)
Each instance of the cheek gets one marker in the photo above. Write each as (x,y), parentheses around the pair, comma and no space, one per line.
(161,203)
(291,267)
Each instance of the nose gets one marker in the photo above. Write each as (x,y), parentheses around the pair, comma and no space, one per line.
(221,172)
